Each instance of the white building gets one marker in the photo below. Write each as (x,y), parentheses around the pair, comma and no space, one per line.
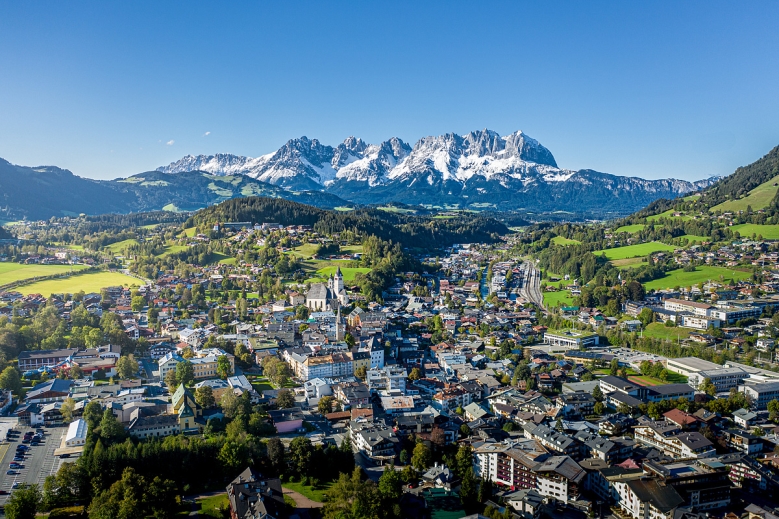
(723,378)
(688,365)
(77,433)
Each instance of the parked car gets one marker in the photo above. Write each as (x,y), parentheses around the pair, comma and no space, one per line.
(12,472)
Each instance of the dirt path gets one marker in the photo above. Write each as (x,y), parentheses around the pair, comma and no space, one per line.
(301,501)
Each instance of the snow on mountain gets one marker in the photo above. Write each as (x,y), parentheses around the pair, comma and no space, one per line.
(479,167)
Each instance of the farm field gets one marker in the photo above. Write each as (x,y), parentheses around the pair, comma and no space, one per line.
(702,274)
(633,251)
(768,232)
(91,282)
(661,331)
(636,227)
(10,272)
(758,198)
(562,240)
(627,262)
(561,298)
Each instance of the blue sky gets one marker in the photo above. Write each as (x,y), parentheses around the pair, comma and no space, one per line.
(108,89)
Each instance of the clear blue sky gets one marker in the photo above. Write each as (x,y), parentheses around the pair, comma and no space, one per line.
(651,89)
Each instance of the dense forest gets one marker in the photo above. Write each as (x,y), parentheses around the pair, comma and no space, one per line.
(410,231)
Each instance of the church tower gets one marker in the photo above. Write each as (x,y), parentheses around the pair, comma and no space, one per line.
(338,281)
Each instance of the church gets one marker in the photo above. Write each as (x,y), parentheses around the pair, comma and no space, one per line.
(323,297)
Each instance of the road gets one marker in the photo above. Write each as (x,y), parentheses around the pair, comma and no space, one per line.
(531,284)
(39,462)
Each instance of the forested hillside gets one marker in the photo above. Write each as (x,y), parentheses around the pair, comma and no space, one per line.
(411,231)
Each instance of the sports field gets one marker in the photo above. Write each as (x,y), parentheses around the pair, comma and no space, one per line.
(768,232)
(562,240)
(10,272)
(636,227)
(91,282)
(702,274)
(758,198)
(634,251)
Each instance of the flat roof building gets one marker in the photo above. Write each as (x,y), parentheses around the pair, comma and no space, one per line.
(688,365)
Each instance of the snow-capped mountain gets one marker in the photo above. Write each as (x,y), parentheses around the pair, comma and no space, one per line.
(480,168)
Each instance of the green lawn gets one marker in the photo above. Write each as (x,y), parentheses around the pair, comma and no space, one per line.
(212,506)
(758,198)
(768,232)
(348,273)
(702,274)
(315,494)
(10,272)
(344,209)
(561,298)
(119,246)
(634,251)
(668,214)
(661,331)
(636,227)
(562,240)
(628,262)
(91,282)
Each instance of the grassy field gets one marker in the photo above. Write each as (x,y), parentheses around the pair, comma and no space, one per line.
(661,331)
(92,282)
(189,232)
(768,232)
(212,506)
(119,246)
(691,238)
(628,262)
(702,274)
(305,251)
(172,249)
(562,240)
(634,251)
(758,198)
(667,214)
(10,272)
(315,494)
(561,298)
(636,227)
(348,273)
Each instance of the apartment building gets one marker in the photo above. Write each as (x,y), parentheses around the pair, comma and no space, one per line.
(760,393)
(509,463)
(674,442)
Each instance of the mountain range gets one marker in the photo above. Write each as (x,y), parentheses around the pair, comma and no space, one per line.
(479,170)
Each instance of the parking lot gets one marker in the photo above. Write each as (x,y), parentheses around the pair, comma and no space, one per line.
(38,463)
